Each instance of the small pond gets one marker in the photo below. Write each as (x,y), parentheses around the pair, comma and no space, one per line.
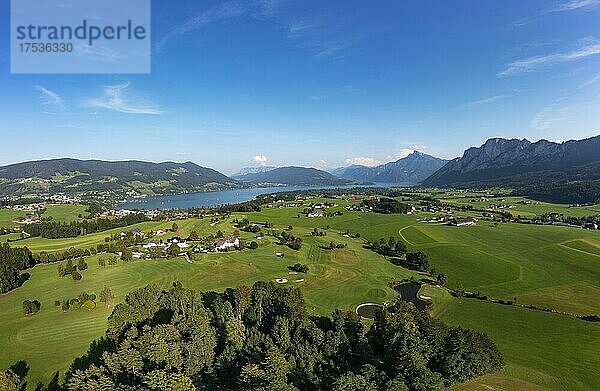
(409,291)
(367,310)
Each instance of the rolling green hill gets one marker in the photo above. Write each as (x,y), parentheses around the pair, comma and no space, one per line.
(72,175)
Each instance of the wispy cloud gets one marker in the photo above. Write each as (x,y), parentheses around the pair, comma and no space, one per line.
(323,37)
(363,161)
(531,64)
(114,98)
(573,5)
(298,29)
(552,114)
(482,102)
(97,53)
(593,80)
(565,6)
(50,98)
(228,10)
(346,89)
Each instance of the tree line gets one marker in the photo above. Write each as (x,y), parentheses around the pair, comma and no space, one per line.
(55,230)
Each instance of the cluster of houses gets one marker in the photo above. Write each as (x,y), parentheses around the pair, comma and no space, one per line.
(219,245)
(438,219)
(136,233)
(500,206)
(480,199)
(283,204)
(26,220)
(359,208)
(117,213)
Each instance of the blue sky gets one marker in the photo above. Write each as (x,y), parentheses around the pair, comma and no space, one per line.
(323,84)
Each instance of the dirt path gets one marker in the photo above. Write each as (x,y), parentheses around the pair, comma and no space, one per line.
(403,238)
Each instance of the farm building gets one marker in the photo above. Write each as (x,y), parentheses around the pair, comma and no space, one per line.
(460,222)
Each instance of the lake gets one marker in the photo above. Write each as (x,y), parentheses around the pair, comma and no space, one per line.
(214,198)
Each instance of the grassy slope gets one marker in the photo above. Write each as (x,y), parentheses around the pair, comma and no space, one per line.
(525,210)
(7,216)
(547,266)
(555,351)
(66,213)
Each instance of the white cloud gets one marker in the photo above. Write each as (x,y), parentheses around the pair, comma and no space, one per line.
(50,98)
(260,159)
(323,165)
(114,98)
(363,161)
(530,64)
(482,102)
(404,152)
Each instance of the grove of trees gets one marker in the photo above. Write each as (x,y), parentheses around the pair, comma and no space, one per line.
(261,337)
(12,262)
(391,248)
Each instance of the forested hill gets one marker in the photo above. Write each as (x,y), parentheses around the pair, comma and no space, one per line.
(295,176)
(561,172)
(69,175)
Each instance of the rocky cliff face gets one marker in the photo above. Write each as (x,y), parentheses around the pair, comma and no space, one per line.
(499,158)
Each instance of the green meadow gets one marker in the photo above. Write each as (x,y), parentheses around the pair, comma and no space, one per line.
(555,267)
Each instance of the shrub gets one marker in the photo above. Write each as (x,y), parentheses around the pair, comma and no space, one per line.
(298,267)
(31,307)
(76,276)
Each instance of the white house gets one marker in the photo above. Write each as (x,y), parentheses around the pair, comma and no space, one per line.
(224,244)
(178,241)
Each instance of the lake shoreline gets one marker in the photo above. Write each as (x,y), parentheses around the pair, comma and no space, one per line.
(223,197)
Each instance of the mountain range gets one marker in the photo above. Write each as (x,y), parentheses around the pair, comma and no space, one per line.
(252,170)
(294,176)
(410,170)
(502,159)
(567,172)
